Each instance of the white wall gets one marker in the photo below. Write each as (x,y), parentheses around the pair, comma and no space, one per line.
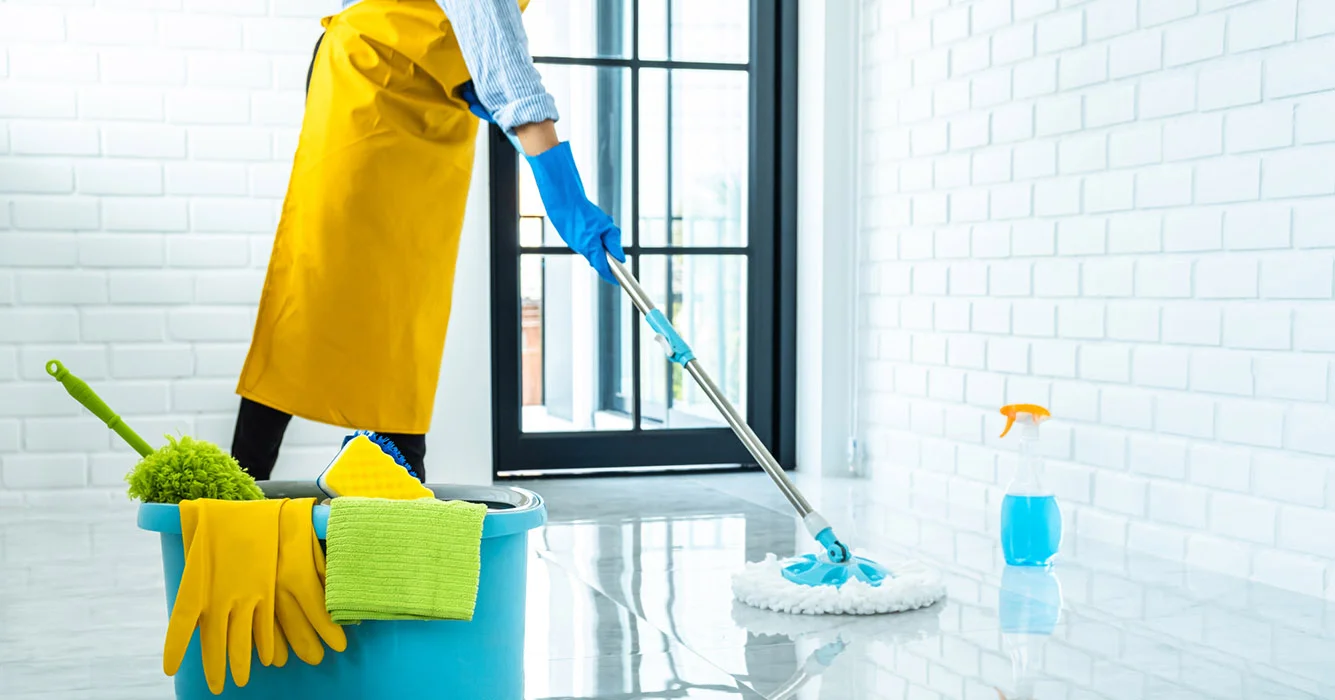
(1122,211)
(145,147)
(827,234)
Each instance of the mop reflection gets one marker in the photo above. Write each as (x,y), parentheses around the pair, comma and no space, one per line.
(816,664)
(1029,606)
(827,639)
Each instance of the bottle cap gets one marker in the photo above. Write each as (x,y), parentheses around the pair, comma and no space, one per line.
(1038,412)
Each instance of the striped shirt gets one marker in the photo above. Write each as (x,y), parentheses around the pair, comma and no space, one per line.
(495,49)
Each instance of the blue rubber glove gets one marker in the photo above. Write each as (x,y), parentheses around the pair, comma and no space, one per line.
(475,106)
(583,226)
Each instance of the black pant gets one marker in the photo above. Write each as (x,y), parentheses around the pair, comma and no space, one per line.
(259,433)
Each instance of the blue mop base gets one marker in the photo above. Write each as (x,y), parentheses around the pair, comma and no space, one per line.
(811,570)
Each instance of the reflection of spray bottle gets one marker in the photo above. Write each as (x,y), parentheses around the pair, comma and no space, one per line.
(1031,524)
(1029,606)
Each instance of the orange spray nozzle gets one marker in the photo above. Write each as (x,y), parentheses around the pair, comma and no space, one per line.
(1038,412)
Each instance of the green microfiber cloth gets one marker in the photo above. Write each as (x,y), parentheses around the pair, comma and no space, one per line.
(402,560)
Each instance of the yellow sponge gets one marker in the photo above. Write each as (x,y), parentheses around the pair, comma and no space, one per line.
(363,469)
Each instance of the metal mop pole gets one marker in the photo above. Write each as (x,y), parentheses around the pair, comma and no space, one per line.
(680,353)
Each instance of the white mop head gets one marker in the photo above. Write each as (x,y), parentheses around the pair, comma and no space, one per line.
(761,584)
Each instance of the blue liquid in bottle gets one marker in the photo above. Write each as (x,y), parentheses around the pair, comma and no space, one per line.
(1031,529)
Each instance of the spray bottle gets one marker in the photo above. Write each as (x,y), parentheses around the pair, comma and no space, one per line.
(1031,524)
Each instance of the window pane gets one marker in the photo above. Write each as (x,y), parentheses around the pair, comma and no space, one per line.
(595,119)
(574,348)
(532,228)
(579,28)
(693,154)
(705,297)
(695,30)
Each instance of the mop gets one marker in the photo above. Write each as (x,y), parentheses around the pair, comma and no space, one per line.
(833,581)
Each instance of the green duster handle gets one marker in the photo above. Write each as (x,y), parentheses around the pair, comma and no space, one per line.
(90,400)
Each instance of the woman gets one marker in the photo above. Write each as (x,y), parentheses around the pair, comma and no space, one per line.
(356,303)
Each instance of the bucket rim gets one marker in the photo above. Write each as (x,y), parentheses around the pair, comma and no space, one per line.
(496,498)
(165,518)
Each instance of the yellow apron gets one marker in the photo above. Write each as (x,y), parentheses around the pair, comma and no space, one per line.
(356,303)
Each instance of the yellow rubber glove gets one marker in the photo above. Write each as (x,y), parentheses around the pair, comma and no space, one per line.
(189,523)
(279,646)
(299,603)
(227,588)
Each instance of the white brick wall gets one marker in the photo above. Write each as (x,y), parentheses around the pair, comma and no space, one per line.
(1136,228)
(144,154)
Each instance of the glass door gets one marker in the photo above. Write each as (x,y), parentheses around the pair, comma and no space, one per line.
(679,113)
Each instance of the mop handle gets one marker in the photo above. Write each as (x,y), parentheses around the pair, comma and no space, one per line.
(84,394)
(679,352)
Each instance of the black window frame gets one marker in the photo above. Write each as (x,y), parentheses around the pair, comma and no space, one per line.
(771,252)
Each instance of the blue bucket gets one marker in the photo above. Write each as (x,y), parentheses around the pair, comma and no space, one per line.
(390,660)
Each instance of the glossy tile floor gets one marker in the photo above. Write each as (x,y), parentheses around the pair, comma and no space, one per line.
(629,598)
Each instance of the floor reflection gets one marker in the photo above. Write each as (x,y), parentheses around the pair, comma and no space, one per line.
(1103,623)
(636,574)
(629,597)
